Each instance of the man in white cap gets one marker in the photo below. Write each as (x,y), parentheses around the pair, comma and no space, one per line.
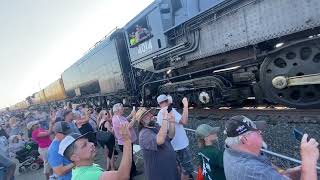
(243,160)
(180,141)
(81,152)
(61,166)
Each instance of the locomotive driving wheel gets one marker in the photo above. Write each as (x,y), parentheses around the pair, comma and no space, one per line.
(285,76)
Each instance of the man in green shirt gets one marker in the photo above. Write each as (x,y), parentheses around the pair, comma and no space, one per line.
(210,158)
(81,152)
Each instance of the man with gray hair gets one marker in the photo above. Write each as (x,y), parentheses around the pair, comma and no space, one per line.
(117,120)
(243,160)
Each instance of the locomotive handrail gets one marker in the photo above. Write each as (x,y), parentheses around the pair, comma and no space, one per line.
(102,39)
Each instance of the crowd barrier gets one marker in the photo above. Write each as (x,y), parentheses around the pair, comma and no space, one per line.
(269,153)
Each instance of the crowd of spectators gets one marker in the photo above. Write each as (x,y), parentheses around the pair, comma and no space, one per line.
(68,139)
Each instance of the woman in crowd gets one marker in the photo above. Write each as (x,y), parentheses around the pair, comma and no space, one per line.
(105,120)
(42,138)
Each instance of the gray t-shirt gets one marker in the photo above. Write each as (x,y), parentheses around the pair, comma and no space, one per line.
(159,160)
(244,166)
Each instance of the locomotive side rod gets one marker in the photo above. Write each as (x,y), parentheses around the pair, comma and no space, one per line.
(281,82)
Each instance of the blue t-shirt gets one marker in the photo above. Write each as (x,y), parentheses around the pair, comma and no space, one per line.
(55,159)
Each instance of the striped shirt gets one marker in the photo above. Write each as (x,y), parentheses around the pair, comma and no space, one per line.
(244,166)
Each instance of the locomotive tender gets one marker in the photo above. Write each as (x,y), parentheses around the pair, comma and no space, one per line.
(216,52)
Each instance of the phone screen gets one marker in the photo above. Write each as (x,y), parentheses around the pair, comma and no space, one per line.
(169,108)
(297,134)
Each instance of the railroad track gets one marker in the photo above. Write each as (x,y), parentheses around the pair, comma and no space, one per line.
(268,114)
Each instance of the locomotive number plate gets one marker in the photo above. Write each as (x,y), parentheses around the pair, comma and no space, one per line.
(145,47)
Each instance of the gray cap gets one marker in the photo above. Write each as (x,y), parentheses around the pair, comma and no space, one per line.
(62,127)
(67,141)
(162,98)
(205,130)
(31,124)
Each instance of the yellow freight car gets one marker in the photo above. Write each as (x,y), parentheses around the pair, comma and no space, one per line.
(55,91)
(21,105)
(39,98)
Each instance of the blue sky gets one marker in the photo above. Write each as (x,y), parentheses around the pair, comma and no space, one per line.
(39,39)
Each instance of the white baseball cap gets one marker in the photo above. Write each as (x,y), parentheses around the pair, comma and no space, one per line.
(162,98)
(170,100)
(68,140)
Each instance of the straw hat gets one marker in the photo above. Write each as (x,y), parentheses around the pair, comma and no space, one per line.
(142,112)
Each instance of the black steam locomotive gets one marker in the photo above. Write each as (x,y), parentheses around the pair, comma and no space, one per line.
(215,52)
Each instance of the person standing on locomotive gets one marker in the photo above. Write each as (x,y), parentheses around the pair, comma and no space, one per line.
(180,141)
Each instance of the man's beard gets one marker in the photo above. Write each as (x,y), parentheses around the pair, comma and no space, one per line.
(152,123)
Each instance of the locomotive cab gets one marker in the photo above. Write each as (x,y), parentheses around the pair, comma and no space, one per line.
(144,35)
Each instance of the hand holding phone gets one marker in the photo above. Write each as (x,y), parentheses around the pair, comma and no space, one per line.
(298,135)
(169,108)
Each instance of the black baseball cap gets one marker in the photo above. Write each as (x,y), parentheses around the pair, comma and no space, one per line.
(238,125)
(62,127)
(68,140)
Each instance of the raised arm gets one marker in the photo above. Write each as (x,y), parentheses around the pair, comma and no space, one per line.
(108,126)
(171,131)
(131,124)
(49,132)
(123,172)
(309,156)
(162,134)
(184,118)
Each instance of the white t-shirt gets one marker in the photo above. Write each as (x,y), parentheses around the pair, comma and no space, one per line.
(180,139)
